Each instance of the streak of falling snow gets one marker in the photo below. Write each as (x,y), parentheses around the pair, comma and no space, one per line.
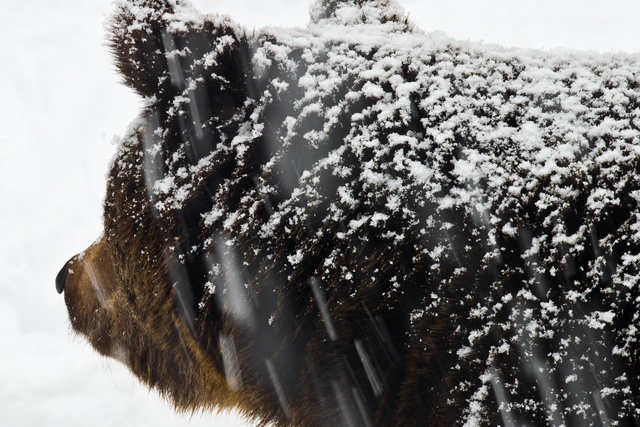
(183,344)
(342,403)
(357,389)
(502,400)
(384,336)
(195,114)
(175,70)
(120,353)
(234,300)
(230,362)
(376,384)
(278,388)
(182,290)
(153,163)
(454,251)
(600,409)
(361,407)
(178,80)
(321,301)
(96,283)
(535,366)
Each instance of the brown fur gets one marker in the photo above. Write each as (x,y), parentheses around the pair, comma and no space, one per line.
(318,320)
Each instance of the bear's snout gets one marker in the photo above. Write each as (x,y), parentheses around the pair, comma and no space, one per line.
(90,292)
(61,278)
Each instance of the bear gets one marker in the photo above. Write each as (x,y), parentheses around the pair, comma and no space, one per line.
(360,223)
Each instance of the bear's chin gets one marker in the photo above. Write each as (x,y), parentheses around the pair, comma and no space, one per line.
(90,301)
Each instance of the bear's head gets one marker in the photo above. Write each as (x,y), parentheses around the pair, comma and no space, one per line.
(124,292)
(169,288)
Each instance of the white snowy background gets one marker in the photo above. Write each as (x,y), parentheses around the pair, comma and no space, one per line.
(62,108)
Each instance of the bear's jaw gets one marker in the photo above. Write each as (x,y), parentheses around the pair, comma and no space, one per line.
(106,312)
(90,298)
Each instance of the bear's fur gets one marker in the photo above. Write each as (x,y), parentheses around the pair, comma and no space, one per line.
(358,223)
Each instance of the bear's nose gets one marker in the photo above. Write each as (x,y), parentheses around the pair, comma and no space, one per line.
(61,278)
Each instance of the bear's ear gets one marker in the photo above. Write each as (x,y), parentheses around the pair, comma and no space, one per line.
(156,42)
(135,39)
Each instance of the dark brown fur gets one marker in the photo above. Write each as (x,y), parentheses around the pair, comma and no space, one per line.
(316,324)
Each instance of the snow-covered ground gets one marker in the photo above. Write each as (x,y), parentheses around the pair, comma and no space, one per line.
(61,109)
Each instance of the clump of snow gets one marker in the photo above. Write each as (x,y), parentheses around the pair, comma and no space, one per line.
(599,320)
(353,12)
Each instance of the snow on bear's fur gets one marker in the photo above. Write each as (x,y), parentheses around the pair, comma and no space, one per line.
(359,223)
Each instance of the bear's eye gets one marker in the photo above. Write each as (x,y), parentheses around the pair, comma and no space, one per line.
(131,296)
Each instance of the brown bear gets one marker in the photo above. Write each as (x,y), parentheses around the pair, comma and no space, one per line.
(358,223)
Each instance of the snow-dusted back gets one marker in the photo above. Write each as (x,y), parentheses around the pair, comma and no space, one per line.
(485,198)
